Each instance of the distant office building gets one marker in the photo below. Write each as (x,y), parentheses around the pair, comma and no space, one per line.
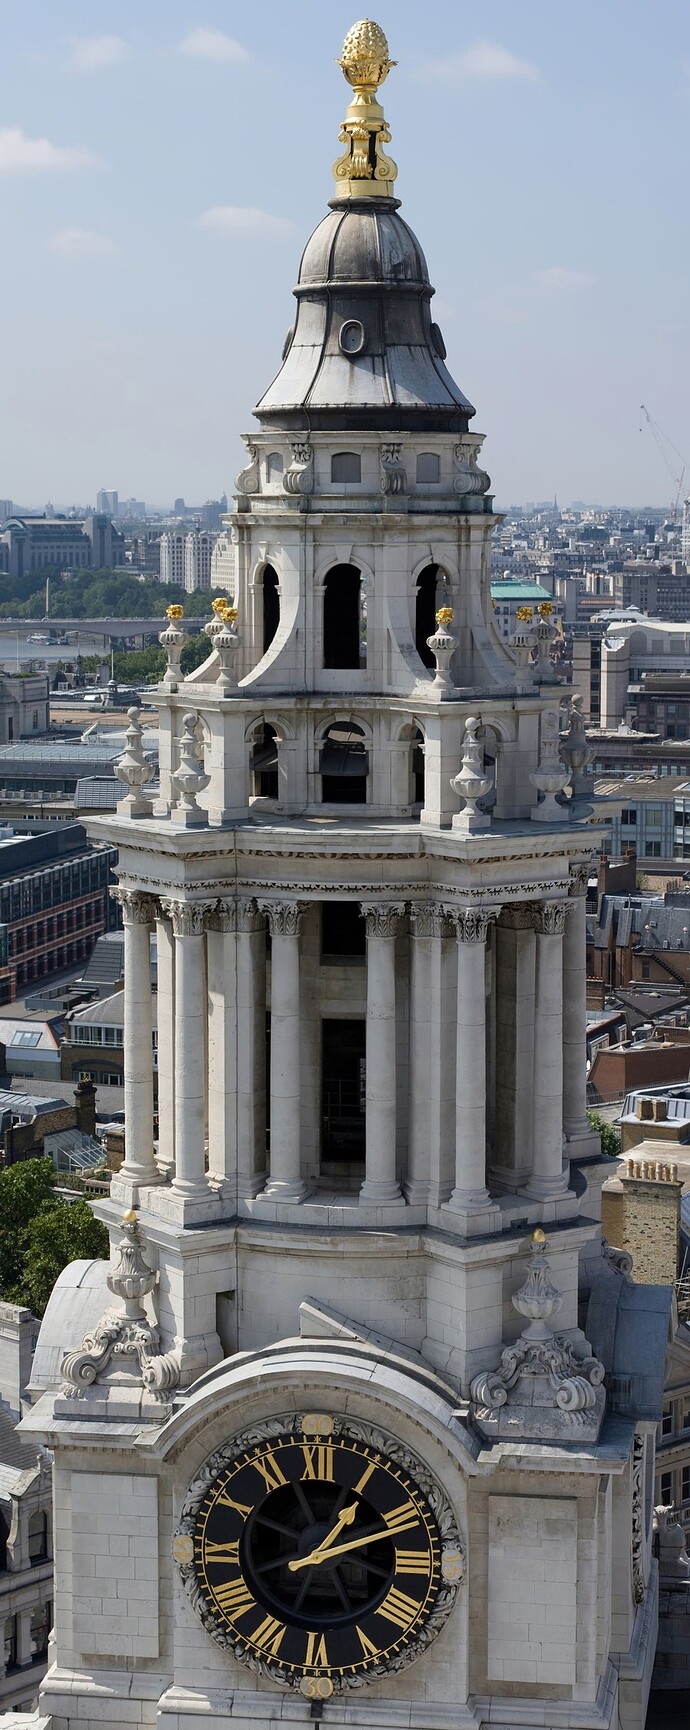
(224,564)
(33,545)
(211,514)
(685,532)
(132,510)
(107,503)
(144,552)
(172,558)
(24,706)
(54,903)
(198,551)
(507,596)
(630,652)
(5,509)
(179,508)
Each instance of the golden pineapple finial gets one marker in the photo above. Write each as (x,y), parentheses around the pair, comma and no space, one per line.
(363,171)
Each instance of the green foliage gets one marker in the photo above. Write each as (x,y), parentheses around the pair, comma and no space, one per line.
(100,595)
(140,666)
(194,653)
(40,1233)
(609,1137)
(60,1233)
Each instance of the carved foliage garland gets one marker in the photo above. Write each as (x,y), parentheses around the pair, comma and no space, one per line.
(452,1547)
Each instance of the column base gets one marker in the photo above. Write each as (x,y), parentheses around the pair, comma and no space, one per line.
(184,1208)
(547,1188)
(126,1184)
(472,1212)
(377,1192)
(283,1189)
(582,1142)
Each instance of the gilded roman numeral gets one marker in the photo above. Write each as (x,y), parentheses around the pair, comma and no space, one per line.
(318,1462)
(229,1552)
(368,1647)
(317,1652)
(412,1562)
(223,1500)
(403,1518)
(370,1469)
(272,1474)
(399,1609)
(234,1597)
(269,1635)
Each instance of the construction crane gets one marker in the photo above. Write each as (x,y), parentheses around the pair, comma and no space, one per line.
(664,444)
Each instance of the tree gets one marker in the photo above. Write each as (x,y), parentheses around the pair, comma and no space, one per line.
(609,1137)
(40,1233)
(194,653)
(62,1232)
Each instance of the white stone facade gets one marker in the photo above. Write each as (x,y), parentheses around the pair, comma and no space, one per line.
(371,1085)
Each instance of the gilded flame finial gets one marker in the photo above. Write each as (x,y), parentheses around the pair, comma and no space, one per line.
(363,171)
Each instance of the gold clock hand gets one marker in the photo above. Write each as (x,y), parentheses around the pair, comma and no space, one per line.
(345,1518)
(324,1554)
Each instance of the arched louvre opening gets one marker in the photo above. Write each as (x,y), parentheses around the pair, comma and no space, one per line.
(271,598)
(417,766)
(344,765)
(425,613)
(264,764)
(346,467)
(343,1122)
(38,1538)
(343,619)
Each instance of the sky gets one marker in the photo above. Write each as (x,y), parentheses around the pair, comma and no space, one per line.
(162,163)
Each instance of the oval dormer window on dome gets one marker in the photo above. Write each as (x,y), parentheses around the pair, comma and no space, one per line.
(344,764)
(346,467)
(428,469)
(351,337)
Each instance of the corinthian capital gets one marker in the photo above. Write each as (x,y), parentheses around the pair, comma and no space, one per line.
(551,919)
(223,917)
(471,923)
(284,917)
(138,908)
(579,878)
(381,918)
(188,918)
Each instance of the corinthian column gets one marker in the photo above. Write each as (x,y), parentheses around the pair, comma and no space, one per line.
(580,1139)
(285,1181)
(139,1165)
(187,918)
(548,1178)
(221,968)
(380,1182)
(470,1195)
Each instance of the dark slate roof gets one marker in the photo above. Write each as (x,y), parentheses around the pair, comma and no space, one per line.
(628,1329)
(363,263)
(14,1451)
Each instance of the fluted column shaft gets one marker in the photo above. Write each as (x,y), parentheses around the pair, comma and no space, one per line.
(139,1165)
(380,1182)
(470,1193)
(547,1177)
(575,1009)
(285,1181)
(190,1046)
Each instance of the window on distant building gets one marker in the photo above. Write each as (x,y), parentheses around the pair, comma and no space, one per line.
(667,1489)
(652,849)
(667,1421)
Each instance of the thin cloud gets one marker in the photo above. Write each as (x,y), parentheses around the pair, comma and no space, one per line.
(209,44)
(97,53)
(483,60)
(83,243)
(22,155)
(558,277)
(237,220)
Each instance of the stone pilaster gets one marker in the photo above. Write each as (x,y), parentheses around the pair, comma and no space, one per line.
(470,1199)
(221,971)
(188,918)
(581,1141)
(285,1181)
(251,1050)
(548,1178)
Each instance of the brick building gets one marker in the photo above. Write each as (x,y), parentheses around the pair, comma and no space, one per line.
(54,903)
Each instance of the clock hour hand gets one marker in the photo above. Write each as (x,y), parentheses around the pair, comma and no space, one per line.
(345,1518)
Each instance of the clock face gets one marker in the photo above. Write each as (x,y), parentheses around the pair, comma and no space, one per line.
(317,1554)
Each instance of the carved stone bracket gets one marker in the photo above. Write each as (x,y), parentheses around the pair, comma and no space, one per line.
(381,918)
(579,879)
(124,1333)
(637,1533)
(248,479)
(468,477)
(299,478)
(393,475)
(542,1388)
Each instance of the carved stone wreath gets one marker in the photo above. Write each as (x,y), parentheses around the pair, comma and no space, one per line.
(452,1547)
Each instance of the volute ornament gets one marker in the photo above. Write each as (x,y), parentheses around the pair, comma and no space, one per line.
(299,477)
(125,1333)
(393,474)
(248,480)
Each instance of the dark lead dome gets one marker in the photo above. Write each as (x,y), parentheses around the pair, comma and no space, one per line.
(364,352)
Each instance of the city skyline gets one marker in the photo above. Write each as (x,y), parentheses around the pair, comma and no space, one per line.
(153,233)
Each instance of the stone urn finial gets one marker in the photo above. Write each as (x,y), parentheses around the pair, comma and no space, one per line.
(173,640)
(189,778)
(551,775)
(134,770)
(472,782)
(575,748)
(442,645)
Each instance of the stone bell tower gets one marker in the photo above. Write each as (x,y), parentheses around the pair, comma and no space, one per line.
(365,1197)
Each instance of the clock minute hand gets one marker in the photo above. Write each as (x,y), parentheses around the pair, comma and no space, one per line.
(324,1554)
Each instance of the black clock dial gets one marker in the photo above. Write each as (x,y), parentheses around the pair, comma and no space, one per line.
(321,1556)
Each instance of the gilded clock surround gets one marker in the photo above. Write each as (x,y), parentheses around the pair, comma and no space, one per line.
(293,1634)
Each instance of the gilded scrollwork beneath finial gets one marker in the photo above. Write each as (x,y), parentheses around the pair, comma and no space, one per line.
(364,170)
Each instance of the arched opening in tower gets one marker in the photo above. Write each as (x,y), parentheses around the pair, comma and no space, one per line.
(425,613)
(344,765)
(271,605)
(344,619)
(417,767)
(264,763)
